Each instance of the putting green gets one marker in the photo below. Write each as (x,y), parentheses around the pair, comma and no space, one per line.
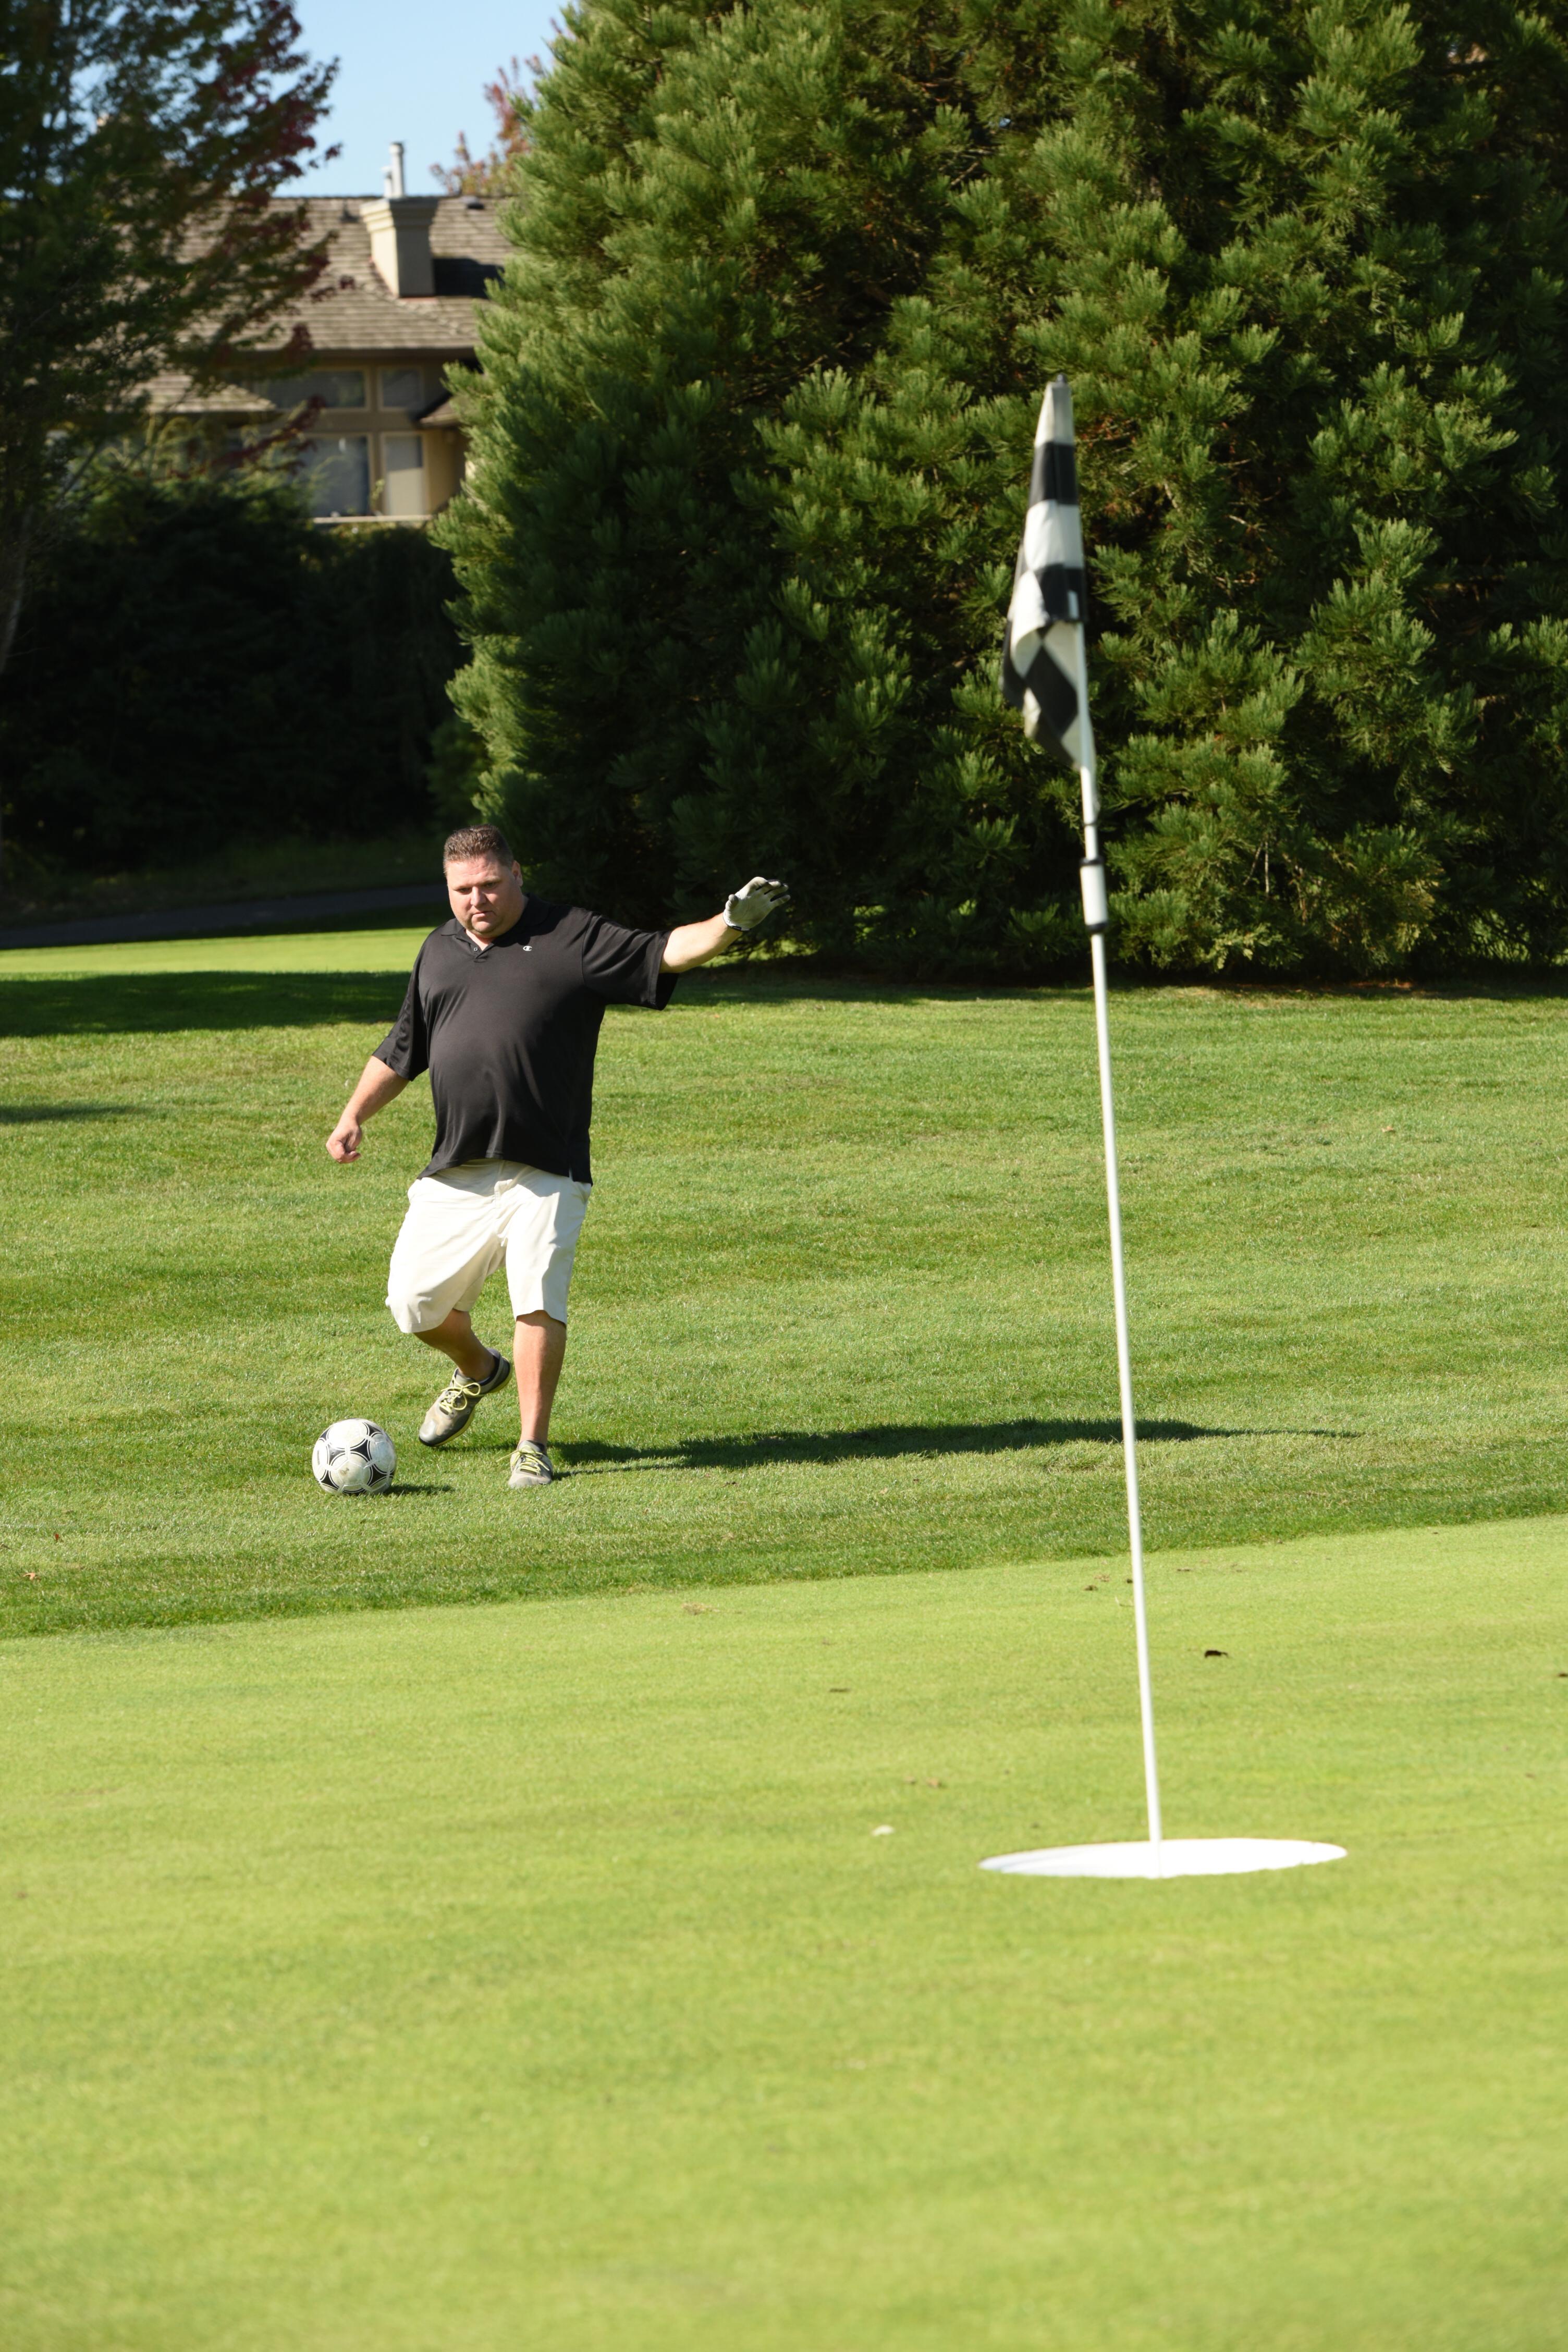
(531,1976)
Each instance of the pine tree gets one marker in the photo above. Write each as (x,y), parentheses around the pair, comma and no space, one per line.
(1305,265)
(714,203)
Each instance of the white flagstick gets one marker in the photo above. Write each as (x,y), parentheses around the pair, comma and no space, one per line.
(1052,543)
(1096,916)
(1124,1377)
(1160,1857)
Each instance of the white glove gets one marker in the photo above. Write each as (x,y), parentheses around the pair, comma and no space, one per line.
(746,907)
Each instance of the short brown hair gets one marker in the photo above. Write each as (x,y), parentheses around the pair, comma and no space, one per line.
(477,841)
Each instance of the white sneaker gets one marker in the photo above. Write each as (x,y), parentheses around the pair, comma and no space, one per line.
(530,1465)
(454,1408)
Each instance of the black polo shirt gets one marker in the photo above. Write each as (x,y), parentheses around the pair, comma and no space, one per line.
(507,1033)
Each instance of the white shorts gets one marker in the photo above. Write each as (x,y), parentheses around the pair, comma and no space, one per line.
(462,1223)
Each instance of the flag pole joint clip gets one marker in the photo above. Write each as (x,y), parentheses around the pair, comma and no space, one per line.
(1096,900)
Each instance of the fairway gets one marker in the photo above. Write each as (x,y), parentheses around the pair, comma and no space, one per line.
(530,1980)
(842,1302)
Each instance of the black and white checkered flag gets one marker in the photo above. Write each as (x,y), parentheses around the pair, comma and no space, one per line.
(1044,673)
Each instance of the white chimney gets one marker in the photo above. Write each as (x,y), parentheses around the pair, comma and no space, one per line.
(399,229)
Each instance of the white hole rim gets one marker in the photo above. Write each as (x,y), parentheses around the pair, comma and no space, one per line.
(1172,1858)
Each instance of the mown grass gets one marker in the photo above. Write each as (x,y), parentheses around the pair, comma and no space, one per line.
(480,1979)
(841,1304)
(530,1980)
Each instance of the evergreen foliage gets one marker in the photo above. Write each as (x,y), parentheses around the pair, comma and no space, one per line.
(198,663)
(140,149)
(753,436)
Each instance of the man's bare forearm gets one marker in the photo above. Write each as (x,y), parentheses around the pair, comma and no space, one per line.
(693,943)
(744,911)
(377,1086)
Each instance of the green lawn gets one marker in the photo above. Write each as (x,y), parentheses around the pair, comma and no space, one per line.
(401,1978)
(529,1979)
(842,1303)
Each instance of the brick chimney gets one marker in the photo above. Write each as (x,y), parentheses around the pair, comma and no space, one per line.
(399,229)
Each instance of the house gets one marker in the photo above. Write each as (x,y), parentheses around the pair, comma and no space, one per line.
(393,310)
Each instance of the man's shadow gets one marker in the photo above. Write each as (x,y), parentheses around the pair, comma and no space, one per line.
(891,1440)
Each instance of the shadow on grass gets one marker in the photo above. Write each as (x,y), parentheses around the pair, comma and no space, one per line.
(828,981)
(107,1003)
(891,1441)
(39,1114)
(156,1003)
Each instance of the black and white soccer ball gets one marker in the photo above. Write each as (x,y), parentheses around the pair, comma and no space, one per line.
(354,1457)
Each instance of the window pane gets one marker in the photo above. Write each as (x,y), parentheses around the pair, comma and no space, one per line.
(342,387)
(333,387)
(337,473)
(403,387)
(403,492)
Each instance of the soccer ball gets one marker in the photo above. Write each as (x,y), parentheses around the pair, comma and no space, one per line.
(354,1457)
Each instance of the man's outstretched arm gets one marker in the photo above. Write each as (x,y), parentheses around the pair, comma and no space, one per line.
(695,943)
(378,1086)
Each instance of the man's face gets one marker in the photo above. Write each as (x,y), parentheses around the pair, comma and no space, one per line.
(486,897)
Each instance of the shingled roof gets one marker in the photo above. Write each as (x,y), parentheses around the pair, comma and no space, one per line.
(353,309)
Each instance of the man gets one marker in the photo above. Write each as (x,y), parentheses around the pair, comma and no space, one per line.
(504,1009)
